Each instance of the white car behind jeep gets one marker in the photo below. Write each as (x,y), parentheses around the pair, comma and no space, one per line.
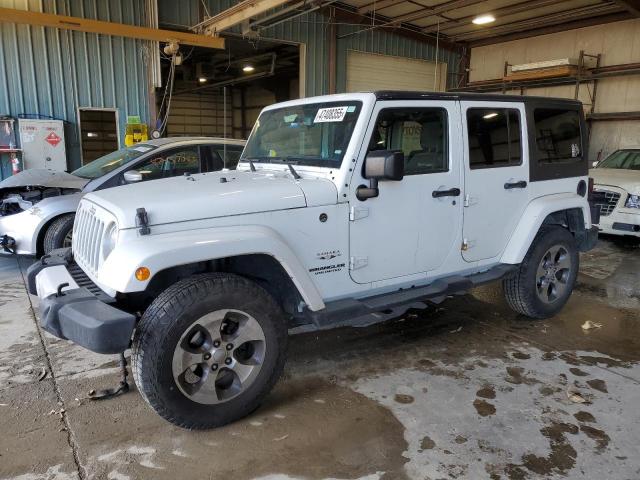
(345,210)
(37,207)
(617,192)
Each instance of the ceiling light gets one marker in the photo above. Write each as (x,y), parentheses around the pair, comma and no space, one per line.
(202,80)
(483,19)
(490,115)
(248,68)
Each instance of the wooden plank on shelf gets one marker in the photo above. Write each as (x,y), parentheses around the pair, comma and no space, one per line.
(555,72)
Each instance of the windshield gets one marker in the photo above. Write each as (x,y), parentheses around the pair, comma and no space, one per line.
(315,134)
(622,159)
(103,165)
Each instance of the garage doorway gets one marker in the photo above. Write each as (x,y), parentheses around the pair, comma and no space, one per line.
(371,71)
(221,92)
(98,132)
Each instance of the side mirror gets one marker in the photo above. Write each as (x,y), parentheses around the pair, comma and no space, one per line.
(380,165)
(132,176)
(595,164)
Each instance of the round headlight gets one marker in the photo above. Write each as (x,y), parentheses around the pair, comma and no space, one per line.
(109,240)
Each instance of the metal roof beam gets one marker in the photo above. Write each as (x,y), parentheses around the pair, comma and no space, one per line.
(498,12)
(379,5)
(632,6)
(546,30)
(433,11)
(562,17)
(237,14)
(11,15)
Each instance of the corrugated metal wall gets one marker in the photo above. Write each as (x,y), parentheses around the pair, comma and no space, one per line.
(51,72)
(311,29)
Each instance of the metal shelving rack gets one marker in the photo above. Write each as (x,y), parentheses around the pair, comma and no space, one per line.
(589,75)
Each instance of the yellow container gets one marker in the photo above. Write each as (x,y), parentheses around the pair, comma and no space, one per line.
(135,133)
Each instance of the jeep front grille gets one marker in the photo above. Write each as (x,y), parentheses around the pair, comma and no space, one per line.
(606,200)
(87,237)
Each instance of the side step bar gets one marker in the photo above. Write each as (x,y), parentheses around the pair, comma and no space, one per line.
(367,311)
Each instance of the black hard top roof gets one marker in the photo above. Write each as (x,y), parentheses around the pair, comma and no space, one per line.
(487,97)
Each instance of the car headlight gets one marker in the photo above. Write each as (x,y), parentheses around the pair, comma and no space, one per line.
(109,240)
(633,201)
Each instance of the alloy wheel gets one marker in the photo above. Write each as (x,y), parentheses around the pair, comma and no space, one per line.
(219,356)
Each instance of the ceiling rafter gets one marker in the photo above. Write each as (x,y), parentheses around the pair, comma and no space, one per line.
(498,12)
(554,18)
(235,15)
(632,6)
(546,30)
(438,10)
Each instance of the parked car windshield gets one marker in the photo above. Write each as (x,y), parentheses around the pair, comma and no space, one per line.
(315,134)
(622,159)
(103,165)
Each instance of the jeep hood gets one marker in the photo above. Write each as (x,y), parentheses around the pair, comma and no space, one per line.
(41,177)
(628,180)
(211,195)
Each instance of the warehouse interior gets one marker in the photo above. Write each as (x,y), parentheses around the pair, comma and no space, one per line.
(461,387)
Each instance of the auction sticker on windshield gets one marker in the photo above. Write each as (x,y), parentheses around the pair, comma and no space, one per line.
(332,114)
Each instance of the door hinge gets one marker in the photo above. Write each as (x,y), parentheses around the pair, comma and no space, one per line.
(356,213)
(358,262)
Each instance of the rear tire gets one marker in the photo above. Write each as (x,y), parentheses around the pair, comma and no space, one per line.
(185,356)
(59,233)
(545,279)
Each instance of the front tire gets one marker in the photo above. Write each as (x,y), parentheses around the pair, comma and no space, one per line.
(208,350)
(59,233)
(545,279)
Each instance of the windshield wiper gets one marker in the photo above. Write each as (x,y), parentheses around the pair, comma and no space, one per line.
(293,172)
(252,167)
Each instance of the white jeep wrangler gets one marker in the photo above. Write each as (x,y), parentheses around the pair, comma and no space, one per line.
(344,210)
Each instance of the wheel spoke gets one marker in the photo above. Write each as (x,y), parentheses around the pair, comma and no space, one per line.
(249,330)
(564,262)
(242,370)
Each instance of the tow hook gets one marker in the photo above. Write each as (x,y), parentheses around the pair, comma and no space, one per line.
(8,244)
(60,293)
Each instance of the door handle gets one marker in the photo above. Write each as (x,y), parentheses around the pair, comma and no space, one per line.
(520,184)
(453,192)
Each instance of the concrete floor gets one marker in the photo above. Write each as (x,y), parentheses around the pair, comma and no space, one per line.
(465,390)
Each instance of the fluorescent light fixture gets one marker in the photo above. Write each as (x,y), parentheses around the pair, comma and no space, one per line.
(483,19)
(202,80)
(92,135)
(490,115)
(248,68)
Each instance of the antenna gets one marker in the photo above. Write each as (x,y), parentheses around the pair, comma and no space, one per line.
(224,127)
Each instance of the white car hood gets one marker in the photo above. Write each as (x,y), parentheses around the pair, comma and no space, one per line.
(628,180)
(41,177)
(207,195)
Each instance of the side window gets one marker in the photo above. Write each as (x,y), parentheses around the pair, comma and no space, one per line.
(557,135)
(420,133)
(494,137)
(170,163)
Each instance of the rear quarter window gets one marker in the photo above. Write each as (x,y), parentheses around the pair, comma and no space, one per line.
(557,135)
(557,140)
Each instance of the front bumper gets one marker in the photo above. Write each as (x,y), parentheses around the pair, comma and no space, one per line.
(73,312)
(620,223)
(21,231)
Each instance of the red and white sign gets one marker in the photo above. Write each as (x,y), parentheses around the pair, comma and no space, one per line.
(52,139)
